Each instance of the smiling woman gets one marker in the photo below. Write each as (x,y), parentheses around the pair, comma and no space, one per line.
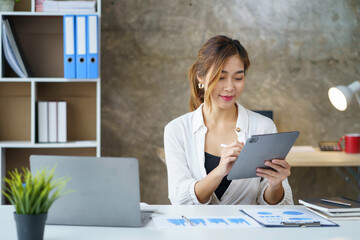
(197,159)
(210,62)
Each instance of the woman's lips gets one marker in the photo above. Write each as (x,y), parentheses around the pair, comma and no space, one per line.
(227,98)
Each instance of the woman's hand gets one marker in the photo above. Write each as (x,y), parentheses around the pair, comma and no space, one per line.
(228,157)
(275,178)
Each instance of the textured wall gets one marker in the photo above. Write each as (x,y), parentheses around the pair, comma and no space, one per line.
(298,49)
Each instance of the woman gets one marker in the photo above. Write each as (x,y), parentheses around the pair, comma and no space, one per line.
(202,146)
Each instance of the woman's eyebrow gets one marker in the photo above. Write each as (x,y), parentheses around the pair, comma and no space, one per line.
(240,71)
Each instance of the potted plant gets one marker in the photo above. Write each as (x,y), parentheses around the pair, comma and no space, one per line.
(32,196)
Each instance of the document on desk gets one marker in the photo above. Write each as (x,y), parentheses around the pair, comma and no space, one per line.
(202,222)
(287,217)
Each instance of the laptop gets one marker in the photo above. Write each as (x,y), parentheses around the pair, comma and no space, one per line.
(106,191)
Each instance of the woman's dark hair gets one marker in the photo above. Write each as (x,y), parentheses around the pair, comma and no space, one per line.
(211,57)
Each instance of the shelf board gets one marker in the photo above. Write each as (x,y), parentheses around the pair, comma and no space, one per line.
(29,13)
(34,79)
(28,144)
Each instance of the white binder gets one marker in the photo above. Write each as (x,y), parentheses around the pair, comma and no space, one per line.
(43,128)
(62,126)
(52,122)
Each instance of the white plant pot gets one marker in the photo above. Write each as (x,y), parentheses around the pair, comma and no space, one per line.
(7,5)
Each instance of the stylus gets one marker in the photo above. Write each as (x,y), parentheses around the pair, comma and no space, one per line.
(223,145)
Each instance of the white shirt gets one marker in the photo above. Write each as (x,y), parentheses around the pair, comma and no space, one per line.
(184,143)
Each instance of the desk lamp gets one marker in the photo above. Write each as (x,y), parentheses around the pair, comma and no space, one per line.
(341,96)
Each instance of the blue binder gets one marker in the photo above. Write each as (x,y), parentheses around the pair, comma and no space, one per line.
(81,61)
(92,47)
(69,46)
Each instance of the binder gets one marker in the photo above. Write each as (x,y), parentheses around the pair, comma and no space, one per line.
(43,128)
(53,122)
(61,121)
(92,47)
(80,39)
(69,47)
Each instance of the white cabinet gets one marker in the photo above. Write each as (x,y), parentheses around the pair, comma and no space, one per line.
(40,38)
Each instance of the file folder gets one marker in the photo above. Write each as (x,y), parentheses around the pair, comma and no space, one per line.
(69,47)
(92,47)
(81,61)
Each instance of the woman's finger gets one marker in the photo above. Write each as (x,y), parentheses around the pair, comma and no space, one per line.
(276,167)
(231,152)
(268,172)
(282,163)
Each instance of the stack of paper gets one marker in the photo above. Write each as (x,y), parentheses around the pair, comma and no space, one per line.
(334,208)
(69,6)
(52,126)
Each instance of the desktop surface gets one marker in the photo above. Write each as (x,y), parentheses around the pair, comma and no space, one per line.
(346,230)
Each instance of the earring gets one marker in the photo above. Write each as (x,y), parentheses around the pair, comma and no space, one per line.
(200,85)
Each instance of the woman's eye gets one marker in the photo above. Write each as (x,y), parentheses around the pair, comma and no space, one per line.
(222,78)
(239,79)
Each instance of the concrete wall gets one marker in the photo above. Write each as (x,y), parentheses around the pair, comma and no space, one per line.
(298,50)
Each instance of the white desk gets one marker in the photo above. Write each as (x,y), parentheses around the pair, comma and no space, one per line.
(347,230)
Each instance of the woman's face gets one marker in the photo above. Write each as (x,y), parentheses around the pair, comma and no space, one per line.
(230,85)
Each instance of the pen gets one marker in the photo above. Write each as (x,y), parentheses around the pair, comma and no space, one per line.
(188,221)
(336,202)
(223,145)
(301,224)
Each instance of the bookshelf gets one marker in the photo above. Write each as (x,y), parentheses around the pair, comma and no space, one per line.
(40,37)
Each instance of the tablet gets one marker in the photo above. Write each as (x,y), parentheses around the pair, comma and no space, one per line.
(261,148)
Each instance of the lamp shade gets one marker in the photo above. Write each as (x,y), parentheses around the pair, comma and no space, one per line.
(341,96)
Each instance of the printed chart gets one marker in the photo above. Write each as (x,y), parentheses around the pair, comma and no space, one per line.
(290,216)
(177,222)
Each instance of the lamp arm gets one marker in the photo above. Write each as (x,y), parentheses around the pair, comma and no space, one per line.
(357,98)
(354,86)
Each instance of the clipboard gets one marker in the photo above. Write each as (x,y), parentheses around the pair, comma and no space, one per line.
(287,217)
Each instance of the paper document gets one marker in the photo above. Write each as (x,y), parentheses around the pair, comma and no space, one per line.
(281,217)
(208,222)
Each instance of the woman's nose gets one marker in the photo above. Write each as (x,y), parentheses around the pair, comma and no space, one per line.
(229,85)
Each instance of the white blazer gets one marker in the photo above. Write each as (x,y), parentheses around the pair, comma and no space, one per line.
(184,143)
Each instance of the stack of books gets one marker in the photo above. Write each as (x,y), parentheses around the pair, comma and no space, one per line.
(334,208)
(39,5)
(68,6)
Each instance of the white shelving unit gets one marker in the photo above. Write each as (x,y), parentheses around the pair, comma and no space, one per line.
(40,36)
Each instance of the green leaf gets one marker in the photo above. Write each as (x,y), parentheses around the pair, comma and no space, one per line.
(41,190)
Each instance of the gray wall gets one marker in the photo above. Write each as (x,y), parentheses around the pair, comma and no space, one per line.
(298,50)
